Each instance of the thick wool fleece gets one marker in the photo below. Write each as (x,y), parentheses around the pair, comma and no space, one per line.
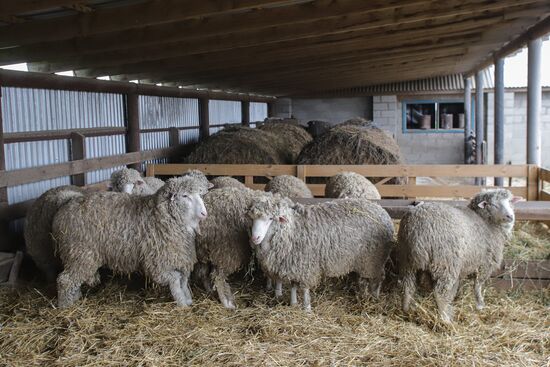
(330,239)
(126,233)
(154,183)
(130,176)
(226,181)
(451,242)
(38,228)
(223,239)
(351,185)
(288,186)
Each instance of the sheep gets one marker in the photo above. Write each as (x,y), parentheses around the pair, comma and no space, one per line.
(154,183)
(38,226)
(350,185)
(226,181)
(289,186)
(303,244)
(129,180)
(154,234)
(451,243)
(223,239)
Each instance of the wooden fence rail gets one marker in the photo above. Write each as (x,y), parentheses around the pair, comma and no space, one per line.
(411,189)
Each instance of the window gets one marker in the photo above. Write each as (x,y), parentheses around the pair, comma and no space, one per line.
(433,116)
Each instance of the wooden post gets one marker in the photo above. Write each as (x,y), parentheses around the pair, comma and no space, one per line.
(499,116)
(534,96)
(245,113)
(174,140)
(270,109)
(78,152)
(3,190)
(533,182)
(133,143)
(204,119)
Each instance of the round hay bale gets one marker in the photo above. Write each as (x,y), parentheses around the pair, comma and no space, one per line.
(290,136)
(317,127)
(240,145)
(353,142)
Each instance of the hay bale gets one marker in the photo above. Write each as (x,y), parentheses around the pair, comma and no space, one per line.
(317,127)
(240,145)
(291,136)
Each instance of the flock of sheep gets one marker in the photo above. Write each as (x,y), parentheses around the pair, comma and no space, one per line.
(189,227)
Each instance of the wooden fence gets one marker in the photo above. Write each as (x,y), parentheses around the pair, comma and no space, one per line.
(527,186)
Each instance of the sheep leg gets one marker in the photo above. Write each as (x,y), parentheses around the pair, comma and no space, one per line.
(224,290)
(173,280)
(444,295)
(184,280)
(293,295)
(409,289)
(278,288)
(375,284)
(68,287)
(93,280)
(307,300)
(269,284)
(202,272)
(478,284)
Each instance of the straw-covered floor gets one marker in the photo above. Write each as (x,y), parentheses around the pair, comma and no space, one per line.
(118,326)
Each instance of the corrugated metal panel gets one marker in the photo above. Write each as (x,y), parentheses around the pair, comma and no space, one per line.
(454,82)
(157,140)
(258,111)
(33,154)
(214,130)
(163,112)
(224,112)
(26,109)
(189,136)
(102,146)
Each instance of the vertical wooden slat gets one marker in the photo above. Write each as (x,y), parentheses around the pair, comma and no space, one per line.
(77,152)
(174,141)
(133,143)
(245,113)
(301,172)
(150,171)
(270,109)
(532,182)
(3,190)
(249,181)
(204,118)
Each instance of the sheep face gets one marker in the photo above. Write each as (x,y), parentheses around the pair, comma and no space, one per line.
(184,199)
(496,206)
(267,215)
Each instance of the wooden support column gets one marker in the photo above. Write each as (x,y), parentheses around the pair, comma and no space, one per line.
(467,118)
(499,116)
(534,100)
(270,109)
(133,143)
(174,141)
(204,118)
(78,152)
(245,113)
(3,190)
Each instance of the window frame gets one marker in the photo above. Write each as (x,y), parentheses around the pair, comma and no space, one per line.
(437,102)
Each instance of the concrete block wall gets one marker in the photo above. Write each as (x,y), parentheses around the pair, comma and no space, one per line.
(333,110)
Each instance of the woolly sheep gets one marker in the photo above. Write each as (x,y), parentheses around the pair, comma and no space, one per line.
(451,243)
(303,244)
(350,185)
(223,240)
(288,186)
(129,180)
(226,181)
(154,234)
(38,227)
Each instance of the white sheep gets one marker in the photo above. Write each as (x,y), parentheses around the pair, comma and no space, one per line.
(303,244)
(350,185)
(288,186)
(451,243)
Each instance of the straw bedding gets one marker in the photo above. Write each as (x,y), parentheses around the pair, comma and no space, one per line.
(120,326)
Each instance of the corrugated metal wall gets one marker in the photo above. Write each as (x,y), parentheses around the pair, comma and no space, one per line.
(103,146)
(165,112)
(224,112)
(258,111)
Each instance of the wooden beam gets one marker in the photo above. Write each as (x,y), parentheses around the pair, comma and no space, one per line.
(204,118)
(536,31)
(78,152)
(29,6)
(245,113)
(20,79)
(133,140)
(117,18)
(61,134)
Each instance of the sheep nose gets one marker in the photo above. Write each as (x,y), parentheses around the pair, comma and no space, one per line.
(256,239)
(203,214)
(509,217)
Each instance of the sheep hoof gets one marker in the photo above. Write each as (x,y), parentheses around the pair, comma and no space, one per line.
(307,308)
(229,305)
(480,306)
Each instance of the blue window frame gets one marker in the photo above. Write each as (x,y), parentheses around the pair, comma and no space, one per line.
(434,116)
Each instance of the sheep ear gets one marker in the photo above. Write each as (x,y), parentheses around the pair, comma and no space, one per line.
(482,204)
(210,185)
(172,197)
(515,199)
(283,219)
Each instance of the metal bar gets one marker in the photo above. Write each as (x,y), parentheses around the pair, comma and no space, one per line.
(133,143)
(480,113)
(204,118)
(534,97)
(499,116)
(467,119)
(9,78)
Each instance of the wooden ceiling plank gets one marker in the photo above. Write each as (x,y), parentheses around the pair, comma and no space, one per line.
(16,7)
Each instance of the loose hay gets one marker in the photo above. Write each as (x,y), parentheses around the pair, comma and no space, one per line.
(293,136)
(530,241)
(240,145)
(115,326)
